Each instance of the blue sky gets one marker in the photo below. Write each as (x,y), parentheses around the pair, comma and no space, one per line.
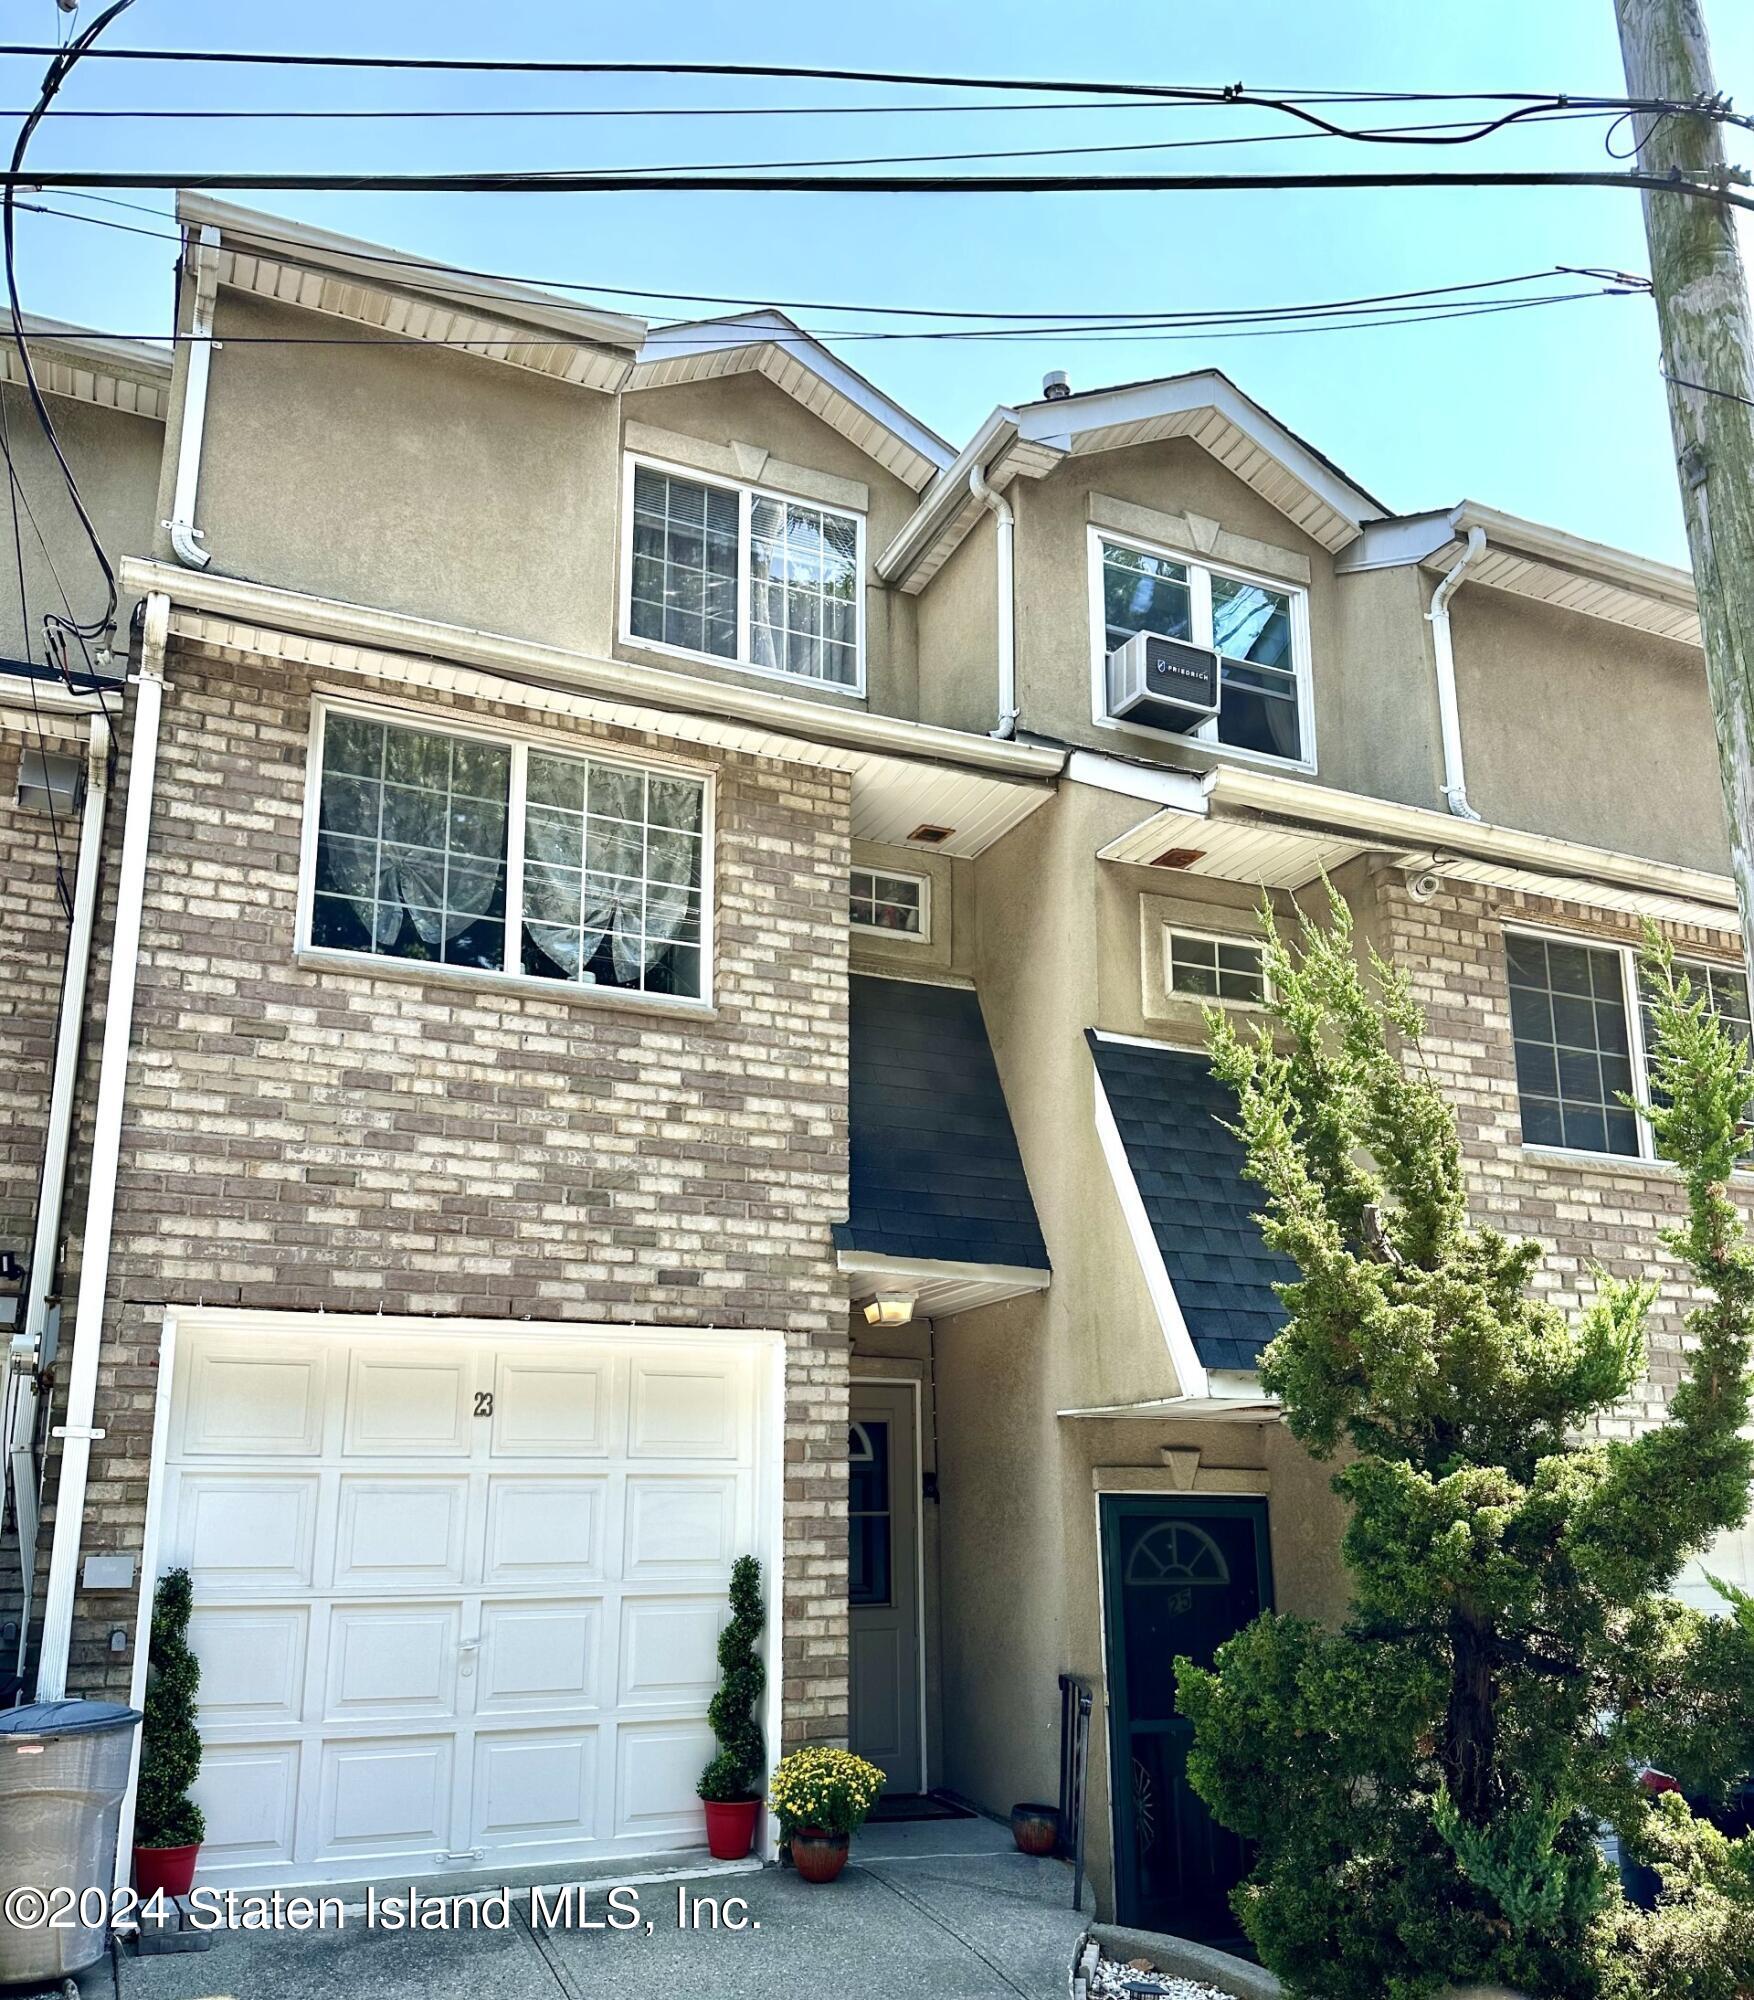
(1558,414)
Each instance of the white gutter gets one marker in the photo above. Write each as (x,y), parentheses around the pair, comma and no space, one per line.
(256,604)
(1000,508)
(106,1146)
(185,536)
(28,1353)
(1455,784)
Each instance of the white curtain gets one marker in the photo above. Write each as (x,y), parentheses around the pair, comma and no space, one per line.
(639,920)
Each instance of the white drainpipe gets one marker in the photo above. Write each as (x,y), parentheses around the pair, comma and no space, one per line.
(28,1353)
(185,536)
(1455,784)
(106,1146)
(1000,508)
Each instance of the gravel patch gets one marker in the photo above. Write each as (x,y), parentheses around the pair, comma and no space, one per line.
(1109,1980)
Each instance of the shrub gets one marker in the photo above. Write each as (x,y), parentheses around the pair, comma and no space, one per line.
(736,1771)
(170,1747)
(823,1790)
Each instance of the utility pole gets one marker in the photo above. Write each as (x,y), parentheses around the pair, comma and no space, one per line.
(1708,358)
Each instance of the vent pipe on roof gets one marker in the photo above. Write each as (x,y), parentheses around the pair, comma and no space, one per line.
(1000,509)
(1455,784)
(1055,388)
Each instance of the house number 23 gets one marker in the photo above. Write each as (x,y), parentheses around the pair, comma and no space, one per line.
(484,1402)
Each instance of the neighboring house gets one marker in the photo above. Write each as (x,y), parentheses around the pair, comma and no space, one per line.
(647,1004)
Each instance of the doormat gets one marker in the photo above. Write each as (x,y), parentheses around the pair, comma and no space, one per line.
(893,1807)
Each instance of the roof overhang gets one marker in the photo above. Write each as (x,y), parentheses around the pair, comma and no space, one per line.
(411,298)
(769,344)
(1232,1398)
(1277,833)
(905,775)
(131,376)
(939,1289)
(1546,564)
(1028,442)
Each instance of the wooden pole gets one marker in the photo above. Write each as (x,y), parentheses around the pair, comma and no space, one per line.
(1708,360)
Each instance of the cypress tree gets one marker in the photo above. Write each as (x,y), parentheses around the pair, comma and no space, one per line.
(737,1770)
(170,1746)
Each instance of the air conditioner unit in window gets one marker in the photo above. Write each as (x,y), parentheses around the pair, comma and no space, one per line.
(1161,683)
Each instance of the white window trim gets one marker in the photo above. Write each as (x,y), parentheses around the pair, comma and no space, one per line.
(1170,929)
(743,663)
(1201,570)
(924,934)
(1637,1054)
(502,979)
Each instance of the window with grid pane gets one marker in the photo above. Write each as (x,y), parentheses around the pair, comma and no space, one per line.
(1209,968)
(1569,1023)
(683,590)
(882,902)
(803,580)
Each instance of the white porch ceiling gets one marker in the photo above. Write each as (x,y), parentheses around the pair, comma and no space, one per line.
(940,1290)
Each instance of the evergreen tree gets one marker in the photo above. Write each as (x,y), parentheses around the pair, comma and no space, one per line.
(738,1768)
(170,1747)
(1427,1784)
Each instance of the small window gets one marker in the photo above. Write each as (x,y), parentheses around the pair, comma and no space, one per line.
(1215,968)
(1253,626)
(1573,1047)
(896,905)
(417,832)
(756,579)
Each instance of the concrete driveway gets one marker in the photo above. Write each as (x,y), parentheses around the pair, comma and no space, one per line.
(946,1908)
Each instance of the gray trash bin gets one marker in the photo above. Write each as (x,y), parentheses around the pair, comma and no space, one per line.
(63,1774)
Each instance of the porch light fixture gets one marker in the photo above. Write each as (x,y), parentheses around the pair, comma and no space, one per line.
(889,1308)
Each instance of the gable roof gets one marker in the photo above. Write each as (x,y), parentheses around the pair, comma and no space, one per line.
(132,376)
(1029,440)
(767,342)
(1170,1112)
(934,1171)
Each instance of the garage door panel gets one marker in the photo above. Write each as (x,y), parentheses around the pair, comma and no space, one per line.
(553,1407)
(249,1794)
(385,1795)
(543,1532)
(542,1655)
(686,1408)
(656,1767)
(669,1648)
(252,1662)
(534,1787)
(392,1660)
(678,1525)
(404,1403)
(241,1402)
(393,1530)
(241,1530)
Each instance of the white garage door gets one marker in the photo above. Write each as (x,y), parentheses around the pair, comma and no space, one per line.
(456,1602)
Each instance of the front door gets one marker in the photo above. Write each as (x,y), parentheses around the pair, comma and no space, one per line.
(883,1587)
(1180,1576)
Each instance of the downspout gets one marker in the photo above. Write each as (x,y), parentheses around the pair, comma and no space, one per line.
(185,536)
(1455,784)
(76,1432)
(30,1353)
(1000,509)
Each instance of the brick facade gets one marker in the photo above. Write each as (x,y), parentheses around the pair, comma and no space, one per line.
(300,1137)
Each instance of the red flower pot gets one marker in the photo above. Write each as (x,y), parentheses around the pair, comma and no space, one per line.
(818,1856)
(171,1869)
(730,1827)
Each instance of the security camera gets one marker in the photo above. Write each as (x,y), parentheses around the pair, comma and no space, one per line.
(1423,886)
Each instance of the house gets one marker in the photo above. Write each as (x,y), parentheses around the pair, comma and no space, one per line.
(646,1002)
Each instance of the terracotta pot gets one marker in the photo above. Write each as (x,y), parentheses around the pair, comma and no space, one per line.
(171,1869)
(1036,1829)
(819,1856)
(730,1827)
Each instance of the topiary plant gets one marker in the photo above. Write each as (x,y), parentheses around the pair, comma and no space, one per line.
(735,1772)
(170,1747)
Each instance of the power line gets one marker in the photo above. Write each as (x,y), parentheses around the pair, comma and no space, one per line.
(574,181)
(1069,320)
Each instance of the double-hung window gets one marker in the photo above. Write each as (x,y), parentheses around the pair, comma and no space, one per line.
(1584,1038)
(1257,629)
(502,857)
(753,578)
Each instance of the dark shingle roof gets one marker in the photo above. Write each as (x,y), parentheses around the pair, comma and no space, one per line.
(1167,1105)
(935,1170)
